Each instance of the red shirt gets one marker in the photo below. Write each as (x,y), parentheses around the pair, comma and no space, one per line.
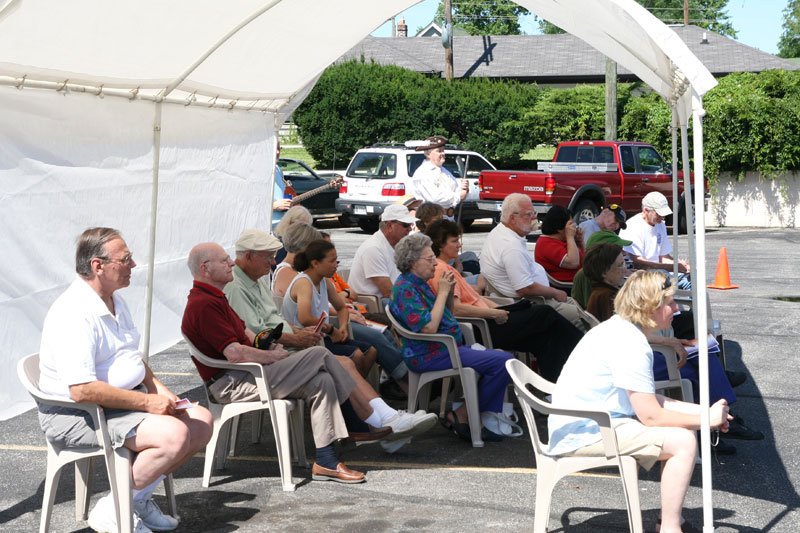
(549,253)
(211,324)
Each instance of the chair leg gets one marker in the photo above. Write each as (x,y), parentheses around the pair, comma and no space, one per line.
(544,494)
(211,448)
(443,397)
(413,391)
(258,419)
(50,486)
(84,471)
(280,426)
(233,435)
(470,386)
(169,491)
(121,489)
(630,487)
(298,434)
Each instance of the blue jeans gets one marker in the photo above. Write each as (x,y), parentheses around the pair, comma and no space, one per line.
(389,355)
(490,364)
(718,384)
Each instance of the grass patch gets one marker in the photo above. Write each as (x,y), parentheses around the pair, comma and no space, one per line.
(540,153)
(299,153)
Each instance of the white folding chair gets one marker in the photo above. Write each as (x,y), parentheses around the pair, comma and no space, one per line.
(286,416)
(418,381)
(549,469)
(675,382)
(118,461)
(558,284)
(684,300)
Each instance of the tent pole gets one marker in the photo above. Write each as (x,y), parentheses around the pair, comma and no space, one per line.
(687,170)
(674,134)
(148,297)
(701,313)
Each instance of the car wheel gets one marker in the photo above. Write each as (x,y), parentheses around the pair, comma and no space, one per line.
(585,210)
(345,220)
(370,225)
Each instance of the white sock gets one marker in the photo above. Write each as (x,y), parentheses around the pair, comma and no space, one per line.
(383,411)
(140,495)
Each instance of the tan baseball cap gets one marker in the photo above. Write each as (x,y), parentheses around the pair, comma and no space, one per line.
(258,241)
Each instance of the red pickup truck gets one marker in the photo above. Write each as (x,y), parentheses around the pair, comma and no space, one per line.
(585,175)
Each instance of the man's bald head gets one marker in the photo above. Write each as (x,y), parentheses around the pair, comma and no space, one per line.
(200,254)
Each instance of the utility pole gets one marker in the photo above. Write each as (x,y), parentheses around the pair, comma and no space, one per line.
(448,51)
(685,12)
(611,100)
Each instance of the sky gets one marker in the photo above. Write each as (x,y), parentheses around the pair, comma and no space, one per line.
(758,23)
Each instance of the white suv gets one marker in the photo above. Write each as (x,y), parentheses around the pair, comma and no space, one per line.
(381,174)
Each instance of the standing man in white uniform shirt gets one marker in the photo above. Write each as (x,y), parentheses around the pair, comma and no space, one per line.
(434,183)
(509,267)
(374,270)
(650,246)
(90,353)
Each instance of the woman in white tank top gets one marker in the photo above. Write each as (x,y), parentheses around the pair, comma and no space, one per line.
(307,298)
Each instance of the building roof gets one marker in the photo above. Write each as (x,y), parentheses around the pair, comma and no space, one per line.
(549,59)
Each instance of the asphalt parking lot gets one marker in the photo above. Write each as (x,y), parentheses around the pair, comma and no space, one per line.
(439,483)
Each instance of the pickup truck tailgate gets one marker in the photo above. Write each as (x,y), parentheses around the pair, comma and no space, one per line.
(497,184)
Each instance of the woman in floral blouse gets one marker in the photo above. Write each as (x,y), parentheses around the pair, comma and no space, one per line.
(418,309)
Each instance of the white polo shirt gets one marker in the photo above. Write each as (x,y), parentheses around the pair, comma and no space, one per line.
(374,258)
(649,242)
(83,342)
(507,263)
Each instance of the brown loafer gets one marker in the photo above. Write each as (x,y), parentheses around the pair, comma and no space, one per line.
(342,474)
(368,436)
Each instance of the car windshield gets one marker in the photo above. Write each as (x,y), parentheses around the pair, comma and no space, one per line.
(373,165)
(452,162)
(294,169)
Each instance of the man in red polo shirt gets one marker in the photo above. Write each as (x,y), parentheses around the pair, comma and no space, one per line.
(313,374)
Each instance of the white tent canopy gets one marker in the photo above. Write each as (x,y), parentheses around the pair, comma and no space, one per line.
(112,112)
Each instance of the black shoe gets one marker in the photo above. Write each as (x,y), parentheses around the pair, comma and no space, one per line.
(736,378)
(738,430)
(390,390)
(723,448)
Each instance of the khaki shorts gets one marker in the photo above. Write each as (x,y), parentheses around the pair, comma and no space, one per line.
(641,442)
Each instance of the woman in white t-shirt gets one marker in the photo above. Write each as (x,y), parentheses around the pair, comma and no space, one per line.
(611,369)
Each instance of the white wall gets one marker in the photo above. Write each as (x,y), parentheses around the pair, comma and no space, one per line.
(755,201)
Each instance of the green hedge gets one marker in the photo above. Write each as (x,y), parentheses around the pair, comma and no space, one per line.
(752,120)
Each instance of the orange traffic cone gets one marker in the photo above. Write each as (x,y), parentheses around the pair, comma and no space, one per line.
(722,279)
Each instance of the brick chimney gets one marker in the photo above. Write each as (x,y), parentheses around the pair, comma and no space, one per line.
(402,29)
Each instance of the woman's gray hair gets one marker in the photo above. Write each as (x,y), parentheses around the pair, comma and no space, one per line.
(409,249)
(293,216)
(298,236)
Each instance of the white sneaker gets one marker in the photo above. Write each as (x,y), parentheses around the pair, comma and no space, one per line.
(103,518)
(393,446)
(407,425)
(152,516)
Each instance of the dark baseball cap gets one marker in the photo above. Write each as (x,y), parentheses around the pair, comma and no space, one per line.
(619,214)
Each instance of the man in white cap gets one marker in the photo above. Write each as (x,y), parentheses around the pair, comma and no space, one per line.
(374,270)
(650,246)
(434,183)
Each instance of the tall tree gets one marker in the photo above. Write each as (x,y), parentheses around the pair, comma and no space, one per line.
(789,42)
(709,14)
(485,17)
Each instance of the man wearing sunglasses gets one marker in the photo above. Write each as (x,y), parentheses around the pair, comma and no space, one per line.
(611,218)
(373,270)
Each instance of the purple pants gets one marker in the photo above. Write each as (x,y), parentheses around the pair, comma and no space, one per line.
(490,364)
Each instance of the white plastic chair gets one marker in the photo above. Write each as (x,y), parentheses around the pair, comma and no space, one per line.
(467,376)
(549,469)
(118,462)
(286,415)
(675,382)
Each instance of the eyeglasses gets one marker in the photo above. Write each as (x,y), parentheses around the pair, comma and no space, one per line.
(430,258)
(405,226)
(530,214)
(127,260)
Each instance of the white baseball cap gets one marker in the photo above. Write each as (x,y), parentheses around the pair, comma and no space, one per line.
(658,203)
(399,213)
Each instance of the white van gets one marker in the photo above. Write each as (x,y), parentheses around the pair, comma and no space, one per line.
(381,174)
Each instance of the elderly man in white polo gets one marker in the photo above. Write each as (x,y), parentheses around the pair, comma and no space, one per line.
(650,246)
